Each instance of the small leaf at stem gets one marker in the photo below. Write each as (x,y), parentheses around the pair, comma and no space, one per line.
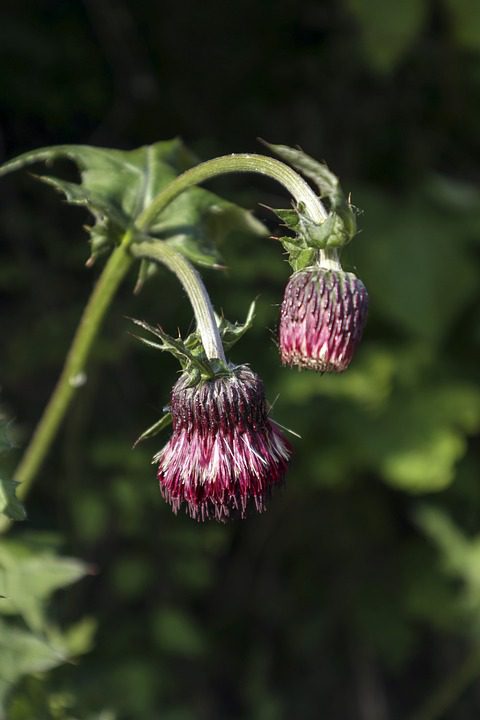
(232,332)
(154,429)
(340,226)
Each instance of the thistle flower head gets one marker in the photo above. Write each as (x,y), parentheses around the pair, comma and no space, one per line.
(322,319)
(224,450)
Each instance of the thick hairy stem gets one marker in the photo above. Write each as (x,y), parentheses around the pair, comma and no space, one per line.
(73,374)
(115,270)
(195,289)
(275,169)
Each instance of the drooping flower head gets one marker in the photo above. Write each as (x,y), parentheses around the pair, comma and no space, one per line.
(322,319)
(224,453)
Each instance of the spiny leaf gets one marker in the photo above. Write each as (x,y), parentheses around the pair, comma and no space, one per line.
(190,355)
(340,226)
(232,332)
(116,186)
(326,182)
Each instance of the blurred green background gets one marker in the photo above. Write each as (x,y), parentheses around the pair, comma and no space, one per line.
(357,595)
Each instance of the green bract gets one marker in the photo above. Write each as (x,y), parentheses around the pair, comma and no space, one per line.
(191,355)
(340,225)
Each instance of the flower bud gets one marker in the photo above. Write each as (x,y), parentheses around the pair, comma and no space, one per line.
(224,450)
(322,319)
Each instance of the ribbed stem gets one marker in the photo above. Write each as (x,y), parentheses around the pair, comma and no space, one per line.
(114,272)
(275,169)
(195,289)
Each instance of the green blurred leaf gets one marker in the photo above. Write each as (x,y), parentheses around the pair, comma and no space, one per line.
(368,382)
(78,639)
(460,557)
(416,262)
(465,20)
(29,577)
(22,653)
(417,442)
(176,633)
(388,29)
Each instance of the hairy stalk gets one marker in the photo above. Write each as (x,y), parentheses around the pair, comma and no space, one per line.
(73,370)
(439,704)
(116,269)
(195,289)
(275,169)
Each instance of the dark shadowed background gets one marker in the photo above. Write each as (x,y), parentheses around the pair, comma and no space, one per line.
(357,595)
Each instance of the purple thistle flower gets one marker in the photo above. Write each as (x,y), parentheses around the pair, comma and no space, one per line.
(322,319)
(224,450)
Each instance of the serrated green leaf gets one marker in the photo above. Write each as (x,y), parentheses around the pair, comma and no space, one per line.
(232,332)
(326,182)
(298,257)
(289,217)
(189,353)
(29,577)
(116,186)
(23,653)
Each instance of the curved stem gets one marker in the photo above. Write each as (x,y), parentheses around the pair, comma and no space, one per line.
(195,289)
(116,268)
(72,376)
(291,180)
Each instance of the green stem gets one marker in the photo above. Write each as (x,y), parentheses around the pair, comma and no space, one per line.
(73,370)
(113,273)
(195,289)
(441,701)
(291,180)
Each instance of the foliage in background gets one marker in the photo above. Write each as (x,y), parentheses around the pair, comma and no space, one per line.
(357,592)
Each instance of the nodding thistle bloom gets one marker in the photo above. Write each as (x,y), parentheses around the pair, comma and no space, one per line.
(322,319)
(224,450)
